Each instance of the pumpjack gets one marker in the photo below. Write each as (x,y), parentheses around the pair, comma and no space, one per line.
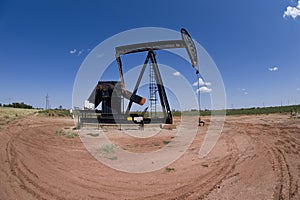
(110,93)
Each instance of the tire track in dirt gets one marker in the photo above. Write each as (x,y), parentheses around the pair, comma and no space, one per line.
(240,156)
(26,179)
(212,180)
(191,179)
(284,186)
(281,170)
(231,165)
(278,143)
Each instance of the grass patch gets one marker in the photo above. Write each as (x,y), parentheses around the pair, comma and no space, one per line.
(169,169)
(55,113)
(106,149)
(62,132)
(93,134)
(70,135)
(8,114)
(112,158)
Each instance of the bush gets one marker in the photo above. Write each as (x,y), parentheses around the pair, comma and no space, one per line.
(55,113)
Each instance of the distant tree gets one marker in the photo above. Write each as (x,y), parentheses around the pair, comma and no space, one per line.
(18,105)
(0,104)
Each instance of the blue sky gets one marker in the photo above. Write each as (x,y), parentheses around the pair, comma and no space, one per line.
(255,47)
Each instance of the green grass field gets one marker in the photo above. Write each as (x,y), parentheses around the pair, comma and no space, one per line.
(246,111)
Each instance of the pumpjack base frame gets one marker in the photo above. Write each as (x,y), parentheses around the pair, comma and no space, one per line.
(95,116)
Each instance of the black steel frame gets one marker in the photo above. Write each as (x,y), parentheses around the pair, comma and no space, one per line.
(160,86)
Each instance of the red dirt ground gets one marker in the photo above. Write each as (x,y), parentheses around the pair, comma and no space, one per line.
(257,157)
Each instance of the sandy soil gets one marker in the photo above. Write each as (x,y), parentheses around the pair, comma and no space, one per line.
(257,157)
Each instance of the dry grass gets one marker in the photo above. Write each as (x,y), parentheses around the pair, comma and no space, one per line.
(10,114)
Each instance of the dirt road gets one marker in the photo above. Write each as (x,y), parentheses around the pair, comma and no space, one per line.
(257,157)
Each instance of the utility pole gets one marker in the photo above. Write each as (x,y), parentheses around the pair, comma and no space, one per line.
(47,103)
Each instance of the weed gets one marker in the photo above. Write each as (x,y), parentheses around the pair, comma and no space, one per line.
(166,142)
(169,169)
(113,158)
(70,135)
(59,133)
(55,112)
(93,134)
(106,149)
(156,144)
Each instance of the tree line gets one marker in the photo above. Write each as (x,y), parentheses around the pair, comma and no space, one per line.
(17,105)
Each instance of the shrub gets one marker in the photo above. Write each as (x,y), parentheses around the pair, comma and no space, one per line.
(169,169)
(106,149)
(70,135)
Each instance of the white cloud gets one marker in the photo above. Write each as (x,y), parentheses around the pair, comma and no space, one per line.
(73,51)
(204,89)
(243,91)
(201,82)
(80,52)
(293,12)
(272,69)
(176,73)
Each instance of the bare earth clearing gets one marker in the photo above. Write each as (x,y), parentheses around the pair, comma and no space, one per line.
(257,157)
